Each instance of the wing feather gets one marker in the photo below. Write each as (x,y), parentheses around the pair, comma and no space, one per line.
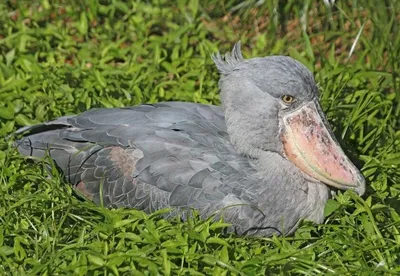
(147,157)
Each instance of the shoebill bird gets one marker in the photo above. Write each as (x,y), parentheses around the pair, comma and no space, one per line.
(263,161)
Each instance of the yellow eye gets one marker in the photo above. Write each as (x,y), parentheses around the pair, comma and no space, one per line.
(287,99)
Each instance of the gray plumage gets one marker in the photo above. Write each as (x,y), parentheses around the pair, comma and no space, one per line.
(227,161)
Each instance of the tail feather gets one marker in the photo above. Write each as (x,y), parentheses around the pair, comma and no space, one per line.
(67,155)
(61,122)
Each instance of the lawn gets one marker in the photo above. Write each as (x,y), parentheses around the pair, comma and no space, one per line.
(64,57)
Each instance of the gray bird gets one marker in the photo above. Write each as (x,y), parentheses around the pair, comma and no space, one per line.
(262,161)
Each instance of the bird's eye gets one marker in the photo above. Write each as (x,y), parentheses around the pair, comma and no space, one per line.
(287,99)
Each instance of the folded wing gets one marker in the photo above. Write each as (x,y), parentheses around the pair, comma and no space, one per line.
(147,157)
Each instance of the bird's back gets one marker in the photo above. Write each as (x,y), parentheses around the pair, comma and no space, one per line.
(146,157)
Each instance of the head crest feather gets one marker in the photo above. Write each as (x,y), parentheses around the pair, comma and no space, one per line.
(226,63)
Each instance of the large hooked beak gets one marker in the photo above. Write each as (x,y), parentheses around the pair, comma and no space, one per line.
(312,147)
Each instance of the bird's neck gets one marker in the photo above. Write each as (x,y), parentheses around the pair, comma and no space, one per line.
(245,132)
(253,125)
(286,182)
(273,168)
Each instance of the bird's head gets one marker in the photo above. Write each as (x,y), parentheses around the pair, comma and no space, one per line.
(271,105)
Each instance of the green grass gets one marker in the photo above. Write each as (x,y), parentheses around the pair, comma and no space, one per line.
(64,58)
